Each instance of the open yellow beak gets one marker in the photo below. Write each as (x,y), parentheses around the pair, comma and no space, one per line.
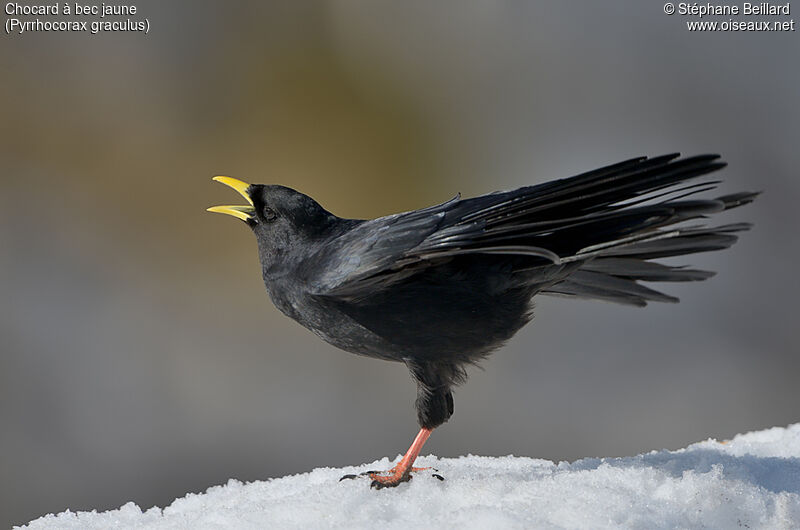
(245,212)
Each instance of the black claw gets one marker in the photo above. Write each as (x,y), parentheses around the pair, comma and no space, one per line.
(348,477)
(438,476)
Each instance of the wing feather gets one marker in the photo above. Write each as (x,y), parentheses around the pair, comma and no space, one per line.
(619,211)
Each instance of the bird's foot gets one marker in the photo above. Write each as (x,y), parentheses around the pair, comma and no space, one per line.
(391,478)
(401,472)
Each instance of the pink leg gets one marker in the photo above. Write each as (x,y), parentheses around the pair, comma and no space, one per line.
(402,471)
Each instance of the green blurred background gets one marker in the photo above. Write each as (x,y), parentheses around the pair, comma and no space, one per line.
(141,358)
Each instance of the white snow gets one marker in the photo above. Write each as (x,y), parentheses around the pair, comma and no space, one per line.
(752,481)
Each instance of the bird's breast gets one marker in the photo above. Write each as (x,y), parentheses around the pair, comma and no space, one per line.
(329,322)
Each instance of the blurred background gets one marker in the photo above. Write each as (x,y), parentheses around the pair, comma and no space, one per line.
(140,357)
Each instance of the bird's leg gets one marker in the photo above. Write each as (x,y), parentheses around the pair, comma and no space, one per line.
(434,407)
(401,472)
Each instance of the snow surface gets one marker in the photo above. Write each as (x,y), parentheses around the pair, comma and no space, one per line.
(752,481)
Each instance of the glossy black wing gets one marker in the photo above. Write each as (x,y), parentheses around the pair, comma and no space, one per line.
(602,212)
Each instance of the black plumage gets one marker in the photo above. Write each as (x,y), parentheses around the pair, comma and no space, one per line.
(441,287)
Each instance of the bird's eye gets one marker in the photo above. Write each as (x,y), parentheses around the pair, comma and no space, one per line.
(269,214)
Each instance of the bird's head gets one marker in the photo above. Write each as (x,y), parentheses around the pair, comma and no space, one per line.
(284,221)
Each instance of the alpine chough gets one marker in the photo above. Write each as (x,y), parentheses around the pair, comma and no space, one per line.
(442,287)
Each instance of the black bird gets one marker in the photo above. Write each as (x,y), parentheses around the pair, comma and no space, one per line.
(442,287)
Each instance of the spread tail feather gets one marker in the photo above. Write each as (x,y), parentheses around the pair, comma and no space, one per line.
(613,274)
